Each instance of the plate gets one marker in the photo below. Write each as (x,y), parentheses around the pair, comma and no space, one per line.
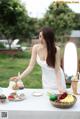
(37,93)
(18,98)
(65,104)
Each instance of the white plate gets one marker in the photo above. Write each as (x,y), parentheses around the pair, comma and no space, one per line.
(37,93)
(19,98)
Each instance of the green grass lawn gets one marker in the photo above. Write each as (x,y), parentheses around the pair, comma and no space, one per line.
(10,66)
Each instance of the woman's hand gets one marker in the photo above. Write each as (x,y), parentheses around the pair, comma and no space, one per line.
(15,78)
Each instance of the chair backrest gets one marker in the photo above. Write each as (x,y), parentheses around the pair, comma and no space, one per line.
(70,59)
(15,42)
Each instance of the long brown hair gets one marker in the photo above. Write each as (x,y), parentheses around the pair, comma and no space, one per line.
(49,38)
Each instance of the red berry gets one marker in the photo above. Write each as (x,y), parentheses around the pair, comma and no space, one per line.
(62,96)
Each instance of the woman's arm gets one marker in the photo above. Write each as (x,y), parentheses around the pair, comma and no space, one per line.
(58,72)
(30,66)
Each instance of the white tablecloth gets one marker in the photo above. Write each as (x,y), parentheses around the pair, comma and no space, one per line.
(37,107)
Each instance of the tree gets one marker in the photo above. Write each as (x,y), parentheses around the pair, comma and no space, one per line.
(77,22)
(61,18)
(14,20)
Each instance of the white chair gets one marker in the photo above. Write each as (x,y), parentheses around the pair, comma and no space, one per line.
(14,44)
(70,61)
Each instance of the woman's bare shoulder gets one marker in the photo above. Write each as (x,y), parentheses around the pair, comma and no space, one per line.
(36,47)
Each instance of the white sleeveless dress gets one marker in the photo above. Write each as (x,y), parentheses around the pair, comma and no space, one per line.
(49,76)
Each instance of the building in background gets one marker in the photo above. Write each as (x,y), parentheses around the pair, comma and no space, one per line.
(75,37)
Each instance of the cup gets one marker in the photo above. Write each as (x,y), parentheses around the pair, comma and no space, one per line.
(74,84)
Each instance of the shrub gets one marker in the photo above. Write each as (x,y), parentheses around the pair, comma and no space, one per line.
(25,54)
(2,46)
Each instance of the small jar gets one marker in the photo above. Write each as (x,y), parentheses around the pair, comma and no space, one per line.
(13,85)
(74,83)
(20,84)
(78,87)
(3,98)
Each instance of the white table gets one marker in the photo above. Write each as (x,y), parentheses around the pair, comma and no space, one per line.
(37,107)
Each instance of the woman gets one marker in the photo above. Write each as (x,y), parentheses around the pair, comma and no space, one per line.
(47,56)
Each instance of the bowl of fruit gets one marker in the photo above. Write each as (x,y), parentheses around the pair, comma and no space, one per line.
(64,100)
